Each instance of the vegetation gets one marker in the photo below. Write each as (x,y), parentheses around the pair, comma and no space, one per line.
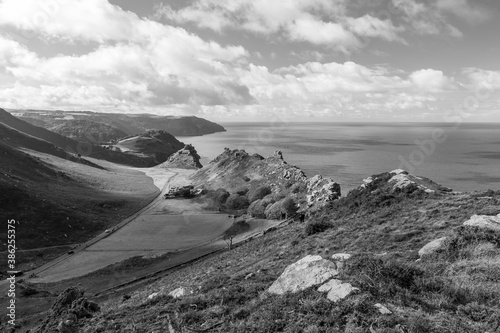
(259,193)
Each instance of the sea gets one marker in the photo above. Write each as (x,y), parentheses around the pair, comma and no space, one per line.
(464,157)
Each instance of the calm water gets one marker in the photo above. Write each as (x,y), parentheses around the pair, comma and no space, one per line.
(465,158)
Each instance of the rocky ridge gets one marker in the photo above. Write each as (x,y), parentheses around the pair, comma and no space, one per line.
(185,158)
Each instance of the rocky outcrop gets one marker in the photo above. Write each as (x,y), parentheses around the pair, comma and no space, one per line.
(401,181)
(69,308)
(484,221)
(432,247)
(185,158)
(236,169)
(321,191)
(307,272)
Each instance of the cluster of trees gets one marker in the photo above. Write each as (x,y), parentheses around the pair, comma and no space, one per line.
(259,202)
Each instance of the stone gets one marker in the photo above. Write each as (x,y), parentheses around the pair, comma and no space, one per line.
(153,295)
(337,290)
(339,259)
(307,272)
(432,247)
(180,292)
(382,309)
(484,221)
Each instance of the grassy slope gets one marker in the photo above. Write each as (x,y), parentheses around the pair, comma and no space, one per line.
(457,290)
(54,206)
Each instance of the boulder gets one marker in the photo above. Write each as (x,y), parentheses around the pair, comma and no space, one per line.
(307,272)
(153,295)
(484,221)
(432,247)
(180,292)
(382,309)
(337,290)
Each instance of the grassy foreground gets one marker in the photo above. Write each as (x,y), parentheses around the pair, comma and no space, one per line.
(456,289)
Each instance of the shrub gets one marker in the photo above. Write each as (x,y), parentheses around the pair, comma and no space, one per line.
(236,202)
(242,191)
(289,207)
(314,227)
(257,209)
(259,193)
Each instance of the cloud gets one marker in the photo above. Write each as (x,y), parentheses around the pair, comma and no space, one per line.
(430,80)
(319,22)
(434,17)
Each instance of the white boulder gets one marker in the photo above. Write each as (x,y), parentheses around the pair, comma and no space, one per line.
(180,292)
(307,272)
(484,221)
(432,247)
(337,289)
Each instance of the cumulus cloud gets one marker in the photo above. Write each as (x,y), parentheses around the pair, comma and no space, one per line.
(430,80)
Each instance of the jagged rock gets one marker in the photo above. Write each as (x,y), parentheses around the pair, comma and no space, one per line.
(432,247)
(278,154)
(180,292)
(337,290)
(321,191)
(307,272)
(382,309)
(186,158)
(484,221)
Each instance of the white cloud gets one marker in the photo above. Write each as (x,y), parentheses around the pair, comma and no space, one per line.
(430,80)
(319,22)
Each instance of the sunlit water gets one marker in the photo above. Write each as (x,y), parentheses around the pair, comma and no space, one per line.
(466,158)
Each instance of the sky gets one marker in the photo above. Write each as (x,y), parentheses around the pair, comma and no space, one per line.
(255,60)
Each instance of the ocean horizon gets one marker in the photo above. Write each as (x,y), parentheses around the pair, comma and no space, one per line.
(464,157)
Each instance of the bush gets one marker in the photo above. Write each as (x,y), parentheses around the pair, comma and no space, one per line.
(236,202)
(242,191)
(259,193)
(289,207)
(315,227)
(257,209)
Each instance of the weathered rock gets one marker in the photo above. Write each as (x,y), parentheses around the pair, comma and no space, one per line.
(321,191)
(337,290)
(382,309)
(432,247)
(484,221)
(307,272)
(180,292)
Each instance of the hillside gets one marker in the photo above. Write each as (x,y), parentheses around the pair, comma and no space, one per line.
(73,146)
(379,227)
(59,202)
(88,131)
(155,145)
(76,123)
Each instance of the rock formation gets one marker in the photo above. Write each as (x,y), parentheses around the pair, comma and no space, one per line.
(185,158)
